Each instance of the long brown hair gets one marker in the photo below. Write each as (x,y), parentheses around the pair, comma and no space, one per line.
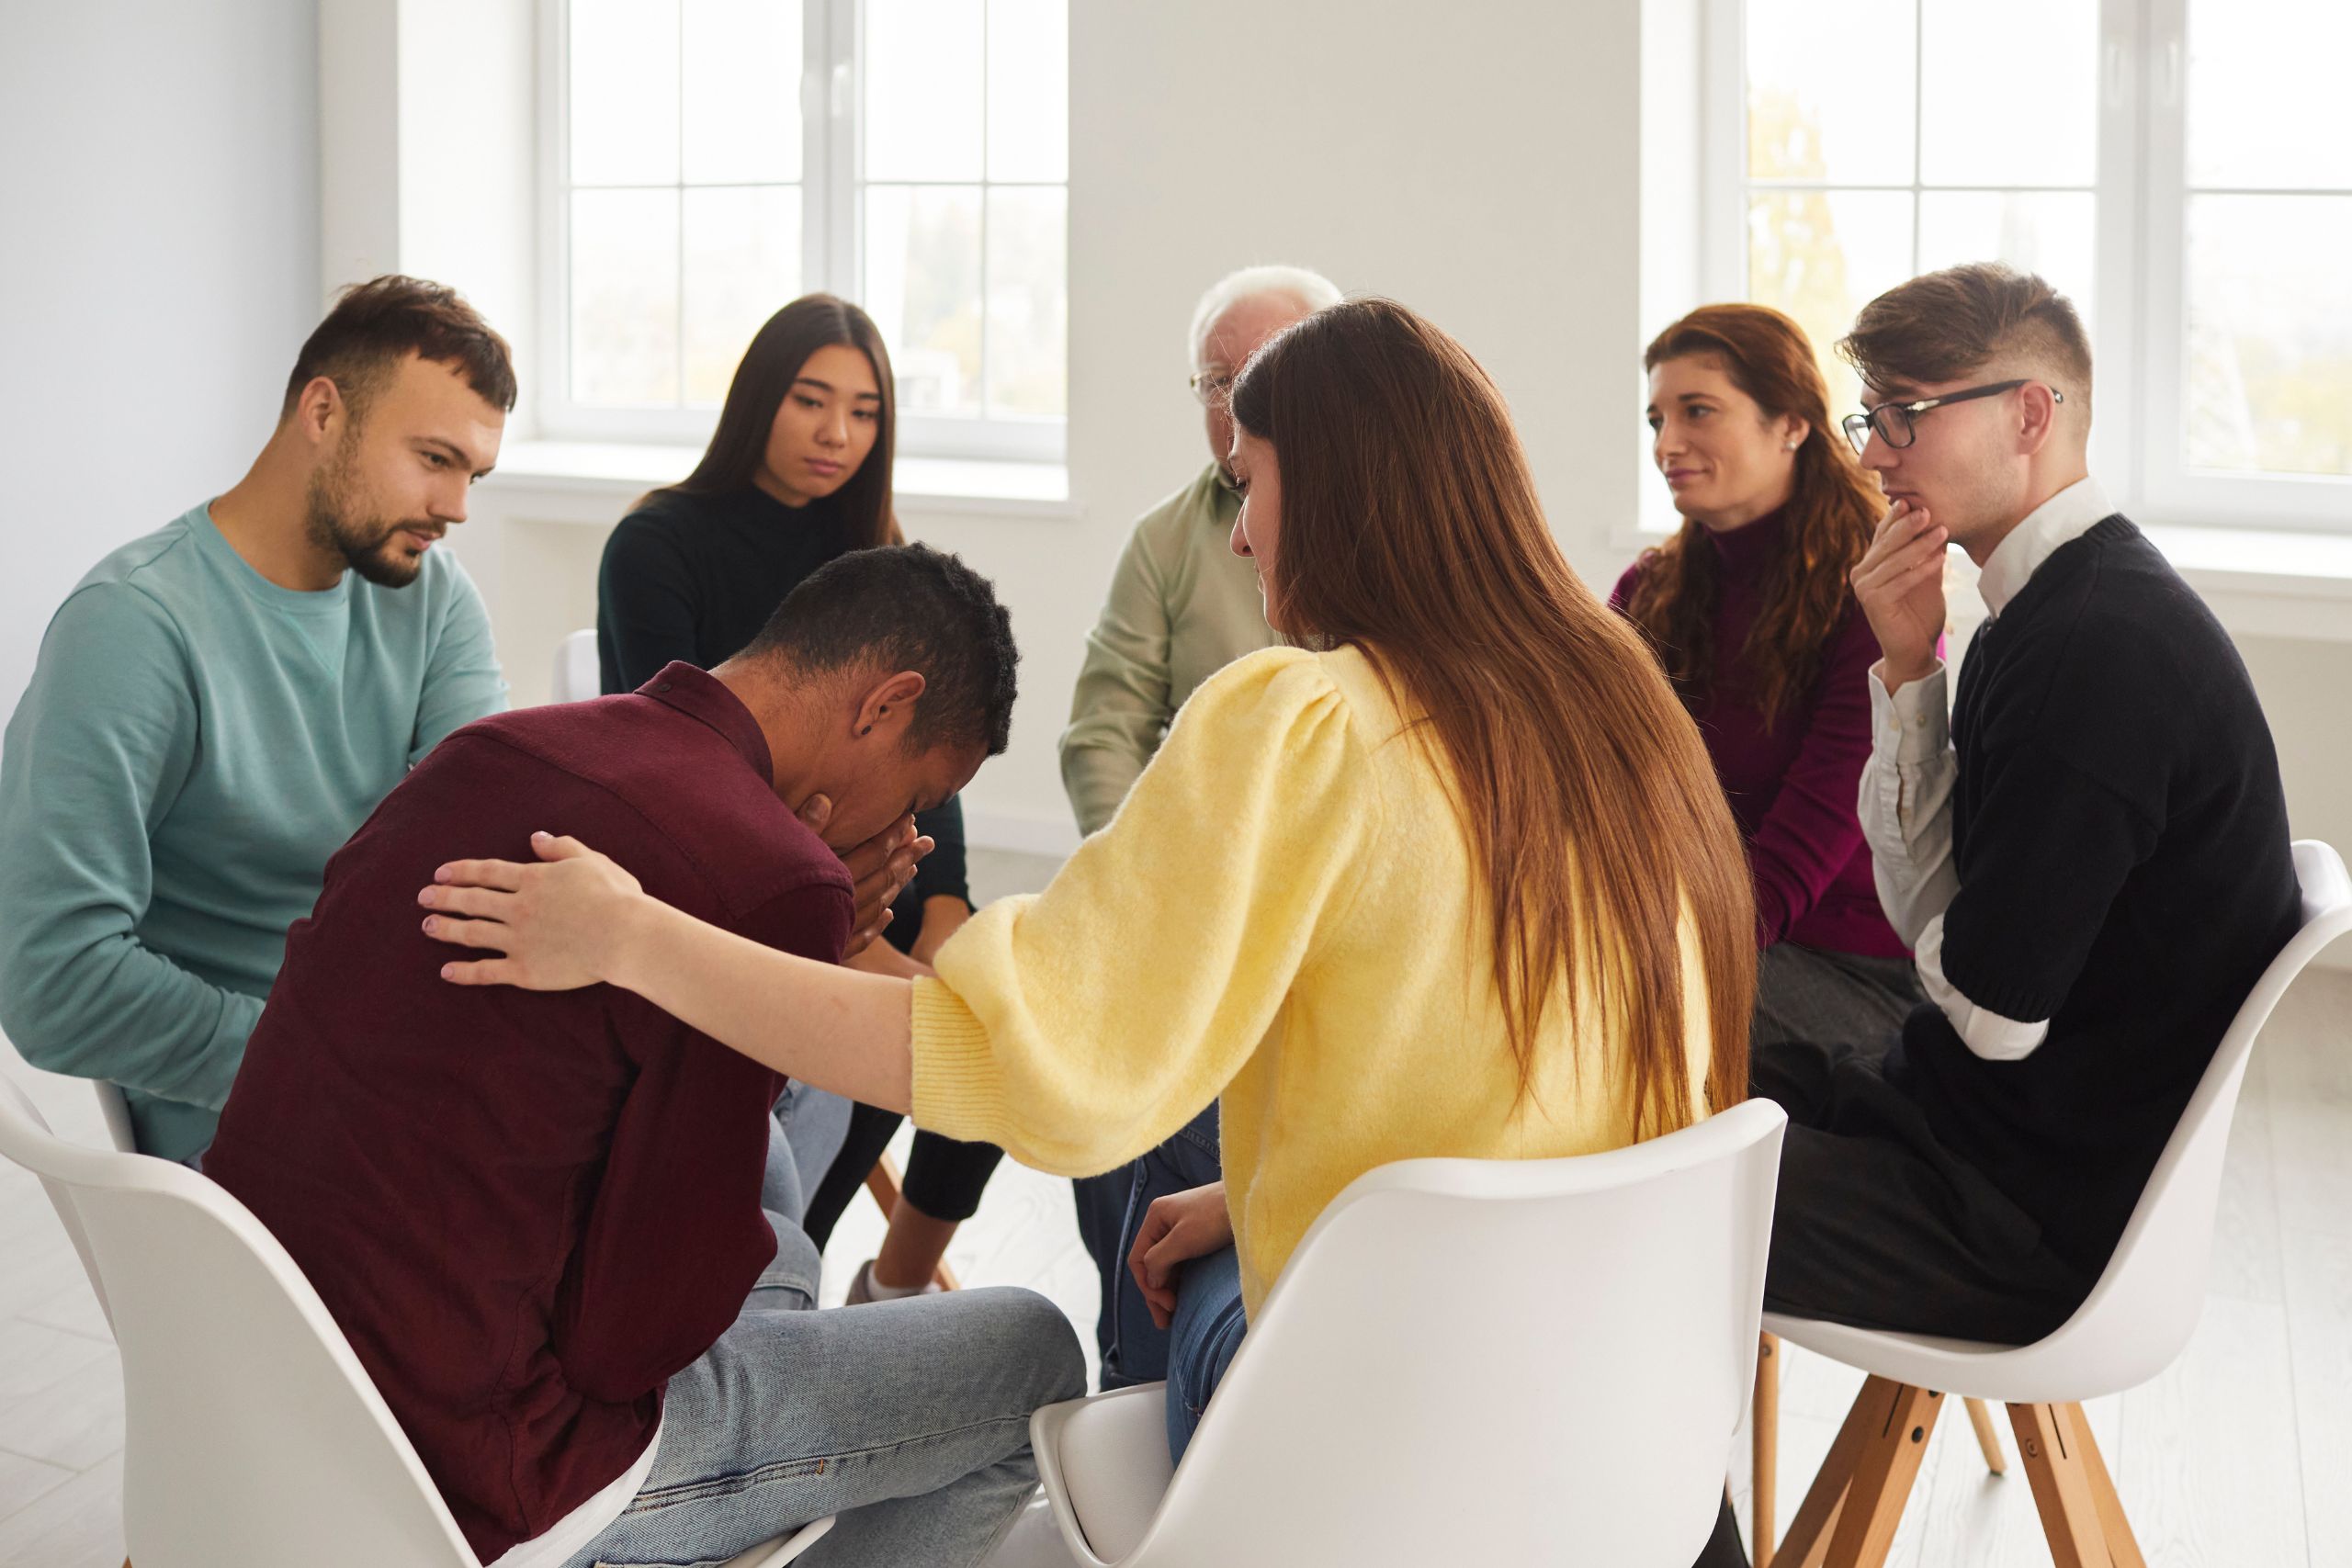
(769,366)
(1831,514)
(1411,530)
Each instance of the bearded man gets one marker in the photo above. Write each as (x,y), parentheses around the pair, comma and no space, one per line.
(217,706)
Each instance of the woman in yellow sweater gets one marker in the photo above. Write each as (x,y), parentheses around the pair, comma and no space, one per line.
(1450,877)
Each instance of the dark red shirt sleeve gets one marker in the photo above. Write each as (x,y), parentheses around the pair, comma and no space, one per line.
(679,1194)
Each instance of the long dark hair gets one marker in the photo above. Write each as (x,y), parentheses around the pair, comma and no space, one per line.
(1411,531)
(1832,511)
(772,363)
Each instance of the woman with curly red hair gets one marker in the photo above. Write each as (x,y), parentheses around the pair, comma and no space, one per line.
(1749,609)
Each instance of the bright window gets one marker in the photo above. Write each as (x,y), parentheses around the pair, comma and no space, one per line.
(2173,166)
(712,159)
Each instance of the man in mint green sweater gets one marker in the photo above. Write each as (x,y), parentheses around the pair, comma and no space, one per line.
(218,705)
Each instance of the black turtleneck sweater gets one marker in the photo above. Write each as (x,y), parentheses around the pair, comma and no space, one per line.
(695,577)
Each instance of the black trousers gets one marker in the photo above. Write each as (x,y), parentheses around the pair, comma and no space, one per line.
(1878,1225)
(944,1177)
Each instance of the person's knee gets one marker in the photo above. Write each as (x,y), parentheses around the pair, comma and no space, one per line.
(792,1274)
(1035,1338)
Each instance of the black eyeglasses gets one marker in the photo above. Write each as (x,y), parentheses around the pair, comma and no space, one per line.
(1897,423)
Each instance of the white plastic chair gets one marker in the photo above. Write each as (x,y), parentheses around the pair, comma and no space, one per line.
(1465,1362)
(255,1438)
(116,1110)
(2136,1320)
(577,674)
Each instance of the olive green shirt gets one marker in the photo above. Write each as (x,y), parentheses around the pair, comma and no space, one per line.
(1181,607)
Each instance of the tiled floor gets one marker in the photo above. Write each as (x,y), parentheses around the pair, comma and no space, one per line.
(2236,1458)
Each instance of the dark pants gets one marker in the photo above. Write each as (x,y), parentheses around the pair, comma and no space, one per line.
(1878,1225)
(943,1179)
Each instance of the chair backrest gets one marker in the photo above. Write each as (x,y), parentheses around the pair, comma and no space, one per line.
(2139,1316)
(254,1436)
(116,1112)
(577,674)
(1496,1361)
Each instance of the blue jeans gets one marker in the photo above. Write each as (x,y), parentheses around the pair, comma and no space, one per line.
(1206,1332)
(909,1419)
(1109,1212)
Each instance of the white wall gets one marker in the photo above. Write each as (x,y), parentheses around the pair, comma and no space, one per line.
(159,199)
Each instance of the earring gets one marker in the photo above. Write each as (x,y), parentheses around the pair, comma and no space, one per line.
(1795,445)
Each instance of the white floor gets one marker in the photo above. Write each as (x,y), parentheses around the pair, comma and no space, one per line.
(2224,1462)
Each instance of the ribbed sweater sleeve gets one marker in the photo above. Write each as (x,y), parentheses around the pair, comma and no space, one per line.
(1811,832)
(1079,1028)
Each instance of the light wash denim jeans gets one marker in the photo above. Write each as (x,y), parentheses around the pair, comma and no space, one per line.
(909,1419)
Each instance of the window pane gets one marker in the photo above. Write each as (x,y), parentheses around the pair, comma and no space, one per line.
(1821,256)
(923,77)
(2048,232)
(2266,91)
(2041,128)
(922,288)
(742,92)
(1831,91)
(2269,357)
(625,296)
(1028,302)
(742,265)
(1028,90)
(623,92)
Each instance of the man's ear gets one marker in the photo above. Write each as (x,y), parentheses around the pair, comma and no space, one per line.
(2037,416)
(890,703)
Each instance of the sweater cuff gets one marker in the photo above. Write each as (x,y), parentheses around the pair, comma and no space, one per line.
(958,1093)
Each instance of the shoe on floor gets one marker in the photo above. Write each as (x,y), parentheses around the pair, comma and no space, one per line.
(863,1290)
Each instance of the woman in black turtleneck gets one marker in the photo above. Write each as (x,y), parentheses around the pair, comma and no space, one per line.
(797,472)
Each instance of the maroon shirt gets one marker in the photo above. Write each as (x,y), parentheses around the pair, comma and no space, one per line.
(528,1211)
(1792,787)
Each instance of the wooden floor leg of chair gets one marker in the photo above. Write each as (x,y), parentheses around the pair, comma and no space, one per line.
(1807,1543)
(2062,1485)
(2122,1546)
(1988,1437)
(1764,1450)
(1902,1419)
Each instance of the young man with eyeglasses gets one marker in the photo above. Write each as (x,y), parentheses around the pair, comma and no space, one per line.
(2090,856)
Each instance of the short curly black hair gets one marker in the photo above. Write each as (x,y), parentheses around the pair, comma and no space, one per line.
(907,607)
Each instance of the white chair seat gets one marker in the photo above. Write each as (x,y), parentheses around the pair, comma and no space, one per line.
(2000,1374)
(1106,1459)
(784,1548)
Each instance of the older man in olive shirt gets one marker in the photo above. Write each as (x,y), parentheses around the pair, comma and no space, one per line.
(1182,605)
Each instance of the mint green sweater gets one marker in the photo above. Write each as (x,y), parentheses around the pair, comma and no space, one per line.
(194,743)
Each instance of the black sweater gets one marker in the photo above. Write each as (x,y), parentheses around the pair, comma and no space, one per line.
(696,578)
(2120,837)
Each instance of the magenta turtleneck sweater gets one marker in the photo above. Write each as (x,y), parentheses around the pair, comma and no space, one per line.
(1792,787)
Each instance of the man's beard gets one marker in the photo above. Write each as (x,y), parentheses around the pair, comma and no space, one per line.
(365,545)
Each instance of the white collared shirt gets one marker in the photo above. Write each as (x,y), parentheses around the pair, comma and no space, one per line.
(1906,800)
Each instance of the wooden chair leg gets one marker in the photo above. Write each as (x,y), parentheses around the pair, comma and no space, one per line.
(2062,1485)
(1764,1450)
(2121,1545)
(1987,1437)
(1902,1419)
(882,1185)
(1807,1543)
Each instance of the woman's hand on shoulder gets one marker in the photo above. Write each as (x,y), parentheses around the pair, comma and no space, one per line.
(568,921)
(1175,1230)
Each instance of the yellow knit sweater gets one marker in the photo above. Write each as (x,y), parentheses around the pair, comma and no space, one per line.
(1282,914)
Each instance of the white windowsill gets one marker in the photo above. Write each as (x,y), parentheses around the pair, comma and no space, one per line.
(607,473)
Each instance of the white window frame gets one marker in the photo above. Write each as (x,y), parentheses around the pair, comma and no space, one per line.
(832,183)
(2140,256)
